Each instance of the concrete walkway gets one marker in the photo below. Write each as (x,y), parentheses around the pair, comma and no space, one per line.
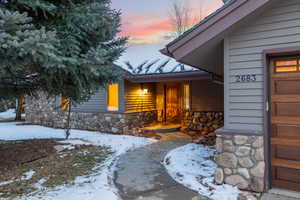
(141,176)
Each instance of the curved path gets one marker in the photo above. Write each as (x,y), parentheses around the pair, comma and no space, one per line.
(141,176)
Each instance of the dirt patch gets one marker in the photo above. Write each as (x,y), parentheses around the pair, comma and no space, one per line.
(16,153)
(29,167)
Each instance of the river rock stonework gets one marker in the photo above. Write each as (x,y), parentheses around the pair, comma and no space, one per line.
(202,121)
(7,104)
(240,161)
(43,110)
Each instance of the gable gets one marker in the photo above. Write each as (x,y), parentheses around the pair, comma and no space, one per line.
(195,46)
(276,28)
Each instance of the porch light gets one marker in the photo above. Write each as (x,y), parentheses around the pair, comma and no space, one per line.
(143,92)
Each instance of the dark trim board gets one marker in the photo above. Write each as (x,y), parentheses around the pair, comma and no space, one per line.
(167,77)
(223,131)
(267,55)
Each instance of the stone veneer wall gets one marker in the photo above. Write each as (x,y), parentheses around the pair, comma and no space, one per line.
(202,121)
(7,104)
(43,111)
(240,161)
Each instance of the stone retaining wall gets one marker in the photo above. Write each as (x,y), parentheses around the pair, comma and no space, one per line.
(7,104)
(43,111)
(240,161)
(202,121)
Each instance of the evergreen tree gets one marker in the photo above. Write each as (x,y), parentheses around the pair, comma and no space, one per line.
(63,47)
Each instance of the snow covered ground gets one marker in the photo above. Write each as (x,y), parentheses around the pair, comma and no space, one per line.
(192,166)
(93,187)
(9,114)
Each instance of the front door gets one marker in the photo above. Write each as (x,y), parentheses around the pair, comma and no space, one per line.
(285,121)
(172,102)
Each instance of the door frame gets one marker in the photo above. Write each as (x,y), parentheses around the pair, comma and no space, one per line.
(267,55)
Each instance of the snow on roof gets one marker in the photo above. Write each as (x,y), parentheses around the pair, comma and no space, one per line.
(146,59)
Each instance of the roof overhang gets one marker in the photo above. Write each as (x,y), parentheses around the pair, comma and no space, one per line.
(167,77)
(196,45)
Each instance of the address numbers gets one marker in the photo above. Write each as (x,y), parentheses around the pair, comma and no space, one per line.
(246,78)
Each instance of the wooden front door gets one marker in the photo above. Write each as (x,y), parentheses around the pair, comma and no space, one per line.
(172,103)
(285,121)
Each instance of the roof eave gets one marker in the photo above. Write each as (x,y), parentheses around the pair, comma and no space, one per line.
(211,28)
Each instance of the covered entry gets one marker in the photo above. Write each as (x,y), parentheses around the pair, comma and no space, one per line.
(170,102)
(285,122)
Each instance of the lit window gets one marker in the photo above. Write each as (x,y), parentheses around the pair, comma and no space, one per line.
(113,97)
(287,65)
(186,93)
(64,103)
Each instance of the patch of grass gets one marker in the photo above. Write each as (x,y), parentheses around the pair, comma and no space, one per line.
(55,170)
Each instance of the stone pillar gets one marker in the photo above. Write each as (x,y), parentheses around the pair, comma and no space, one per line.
(240,161)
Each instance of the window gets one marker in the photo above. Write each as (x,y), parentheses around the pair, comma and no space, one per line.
(186,96)
(287,65)
(64,103)
(113,97)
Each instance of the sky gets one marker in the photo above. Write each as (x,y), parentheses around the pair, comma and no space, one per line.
(147,24)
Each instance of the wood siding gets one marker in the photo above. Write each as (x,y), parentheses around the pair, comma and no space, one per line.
(135,101)
(277,27)
(206,96)
(98,102)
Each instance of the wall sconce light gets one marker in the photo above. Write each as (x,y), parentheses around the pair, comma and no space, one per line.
(143,92)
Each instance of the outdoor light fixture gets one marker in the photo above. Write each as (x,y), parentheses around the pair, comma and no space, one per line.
(143,91)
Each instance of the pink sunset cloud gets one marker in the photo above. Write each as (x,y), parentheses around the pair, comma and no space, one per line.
(153,27)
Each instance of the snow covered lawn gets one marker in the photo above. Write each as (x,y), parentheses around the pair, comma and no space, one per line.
(91,187)
(9,114)
(192,166)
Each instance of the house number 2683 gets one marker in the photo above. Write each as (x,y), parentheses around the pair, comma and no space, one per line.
(245,78)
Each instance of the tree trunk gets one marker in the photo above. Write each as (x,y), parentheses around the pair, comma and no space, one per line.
(68,127)
(20,108)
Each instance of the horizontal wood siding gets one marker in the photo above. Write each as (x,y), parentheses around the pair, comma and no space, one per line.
(206,96)
(98,102)
(277,27)
(135,101)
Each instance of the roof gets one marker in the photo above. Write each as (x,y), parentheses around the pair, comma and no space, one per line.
(228,3)
(210,32)
(174,76)
(146,60)
(157,66)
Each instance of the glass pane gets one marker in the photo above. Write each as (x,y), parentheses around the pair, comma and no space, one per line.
(286,69)
(64,103)
(285,62)
(186,91)
(113,97)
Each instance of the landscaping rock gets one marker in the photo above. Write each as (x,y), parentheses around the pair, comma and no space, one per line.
(243,151)
(240,139)
(228,146)
(59,148)
(244,172)
(259,154)
(259,170)
(228,160)
(227,171)
(246,162)
(238,181)
(248,152)
(219,176)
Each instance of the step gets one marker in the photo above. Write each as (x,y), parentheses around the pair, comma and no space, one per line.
(164,128)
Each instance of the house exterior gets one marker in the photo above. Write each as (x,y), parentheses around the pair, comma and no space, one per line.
(255,46)
(137,100)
